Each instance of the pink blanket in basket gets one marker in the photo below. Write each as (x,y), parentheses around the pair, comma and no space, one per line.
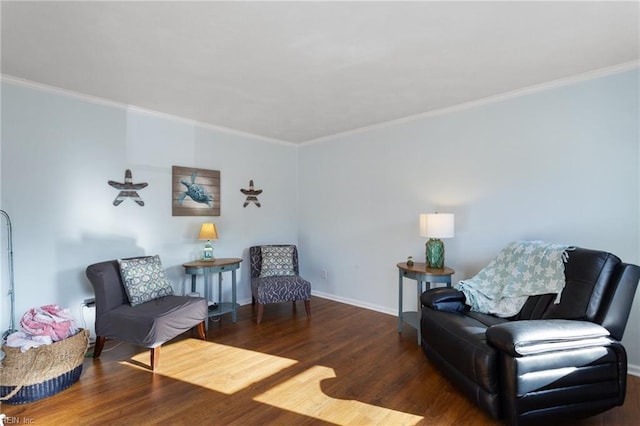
(48,320)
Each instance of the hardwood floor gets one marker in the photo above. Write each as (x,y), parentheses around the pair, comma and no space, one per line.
(346,365)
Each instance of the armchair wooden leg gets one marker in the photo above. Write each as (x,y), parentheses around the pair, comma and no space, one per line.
(155,357)
(260,312)
(202,330)
(307,307)
(97,350)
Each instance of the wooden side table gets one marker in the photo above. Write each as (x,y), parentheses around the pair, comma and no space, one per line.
(208,267)
(421,274)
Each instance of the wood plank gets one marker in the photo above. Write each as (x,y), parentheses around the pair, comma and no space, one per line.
(346,365)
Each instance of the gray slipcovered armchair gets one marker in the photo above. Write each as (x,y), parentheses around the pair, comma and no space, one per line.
(124,315)
(275,277)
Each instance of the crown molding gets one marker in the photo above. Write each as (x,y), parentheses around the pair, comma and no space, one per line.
(554,84)
(96,100)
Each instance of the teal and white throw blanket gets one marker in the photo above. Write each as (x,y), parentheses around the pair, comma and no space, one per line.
(522,269)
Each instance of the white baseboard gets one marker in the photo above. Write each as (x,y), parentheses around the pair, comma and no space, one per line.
(354,302)
(243,302)
(335,298)
(632,369)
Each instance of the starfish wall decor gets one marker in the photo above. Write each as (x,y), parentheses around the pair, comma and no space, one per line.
(128,189)
(252,195)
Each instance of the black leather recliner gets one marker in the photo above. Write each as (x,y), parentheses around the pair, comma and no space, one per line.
(549,362)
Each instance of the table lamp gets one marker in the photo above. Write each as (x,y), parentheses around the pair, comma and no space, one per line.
(435,226)
(208,232)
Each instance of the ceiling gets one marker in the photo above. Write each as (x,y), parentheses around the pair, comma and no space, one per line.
(299,71)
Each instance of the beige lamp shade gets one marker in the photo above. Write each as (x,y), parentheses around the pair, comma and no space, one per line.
(436,225)
(208,232)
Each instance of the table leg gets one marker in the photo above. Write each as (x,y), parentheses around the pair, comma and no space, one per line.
(220,290)
(206,280)
(234,312)
(419,312)
(193,283)
(207,287)
(400,302)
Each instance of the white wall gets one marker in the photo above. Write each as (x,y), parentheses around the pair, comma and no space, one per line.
(58,152)
(559,165)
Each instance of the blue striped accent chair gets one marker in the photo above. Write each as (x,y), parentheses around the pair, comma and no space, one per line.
(275,277)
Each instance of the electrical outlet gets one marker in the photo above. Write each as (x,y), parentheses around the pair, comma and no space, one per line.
(324,273)
(89,302)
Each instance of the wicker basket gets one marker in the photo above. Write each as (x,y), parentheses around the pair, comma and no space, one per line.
(43,371)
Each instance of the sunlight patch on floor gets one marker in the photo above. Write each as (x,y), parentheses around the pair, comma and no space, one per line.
(302,394)
(221,368)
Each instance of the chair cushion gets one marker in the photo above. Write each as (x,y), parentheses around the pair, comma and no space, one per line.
(460,340)
(144,279)
(277,261)
(588,285)
(280,289)
(152,323)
